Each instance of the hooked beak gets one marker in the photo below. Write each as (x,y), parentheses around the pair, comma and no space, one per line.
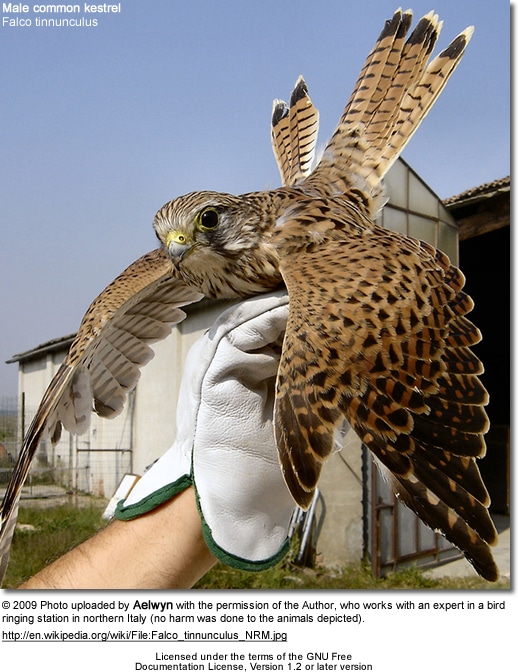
(178,245)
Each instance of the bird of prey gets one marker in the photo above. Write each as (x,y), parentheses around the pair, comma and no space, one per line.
(377,333)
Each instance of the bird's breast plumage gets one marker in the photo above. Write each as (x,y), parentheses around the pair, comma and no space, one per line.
(219,276)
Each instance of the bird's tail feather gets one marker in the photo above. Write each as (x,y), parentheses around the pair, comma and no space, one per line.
(396,88)
(294,134)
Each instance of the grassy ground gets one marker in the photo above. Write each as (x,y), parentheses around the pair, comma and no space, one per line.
(45,534)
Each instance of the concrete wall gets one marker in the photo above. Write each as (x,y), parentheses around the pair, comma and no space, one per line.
(341,538)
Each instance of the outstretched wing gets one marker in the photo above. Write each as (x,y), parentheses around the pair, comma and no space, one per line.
(294,134)
(377,334)
(103,363)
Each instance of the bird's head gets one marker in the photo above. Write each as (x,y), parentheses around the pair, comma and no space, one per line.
(208,235)
(202,221)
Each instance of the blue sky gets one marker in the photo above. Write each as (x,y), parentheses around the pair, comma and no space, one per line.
(100,126)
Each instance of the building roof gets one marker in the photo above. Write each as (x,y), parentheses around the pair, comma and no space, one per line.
(55,345)
(486,190)
(482,209)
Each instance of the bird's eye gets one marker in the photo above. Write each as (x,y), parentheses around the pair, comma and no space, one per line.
(208,219)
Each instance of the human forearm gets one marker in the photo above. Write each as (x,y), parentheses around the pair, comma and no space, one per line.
(161,549)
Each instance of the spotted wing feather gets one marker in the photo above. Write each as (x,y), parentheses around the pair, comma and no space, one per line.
(377,334)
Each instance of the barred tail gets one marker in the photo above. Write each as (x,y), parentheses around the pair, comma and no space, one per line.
(395,90)
(294,134)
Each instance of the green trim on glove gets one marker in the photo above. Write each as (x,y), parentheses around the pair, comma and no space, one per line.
(164,494)
(233,560)
(151,501)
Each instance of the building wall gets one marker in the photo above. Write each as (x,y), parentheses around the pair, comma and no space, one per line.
(35,374)
(93,462)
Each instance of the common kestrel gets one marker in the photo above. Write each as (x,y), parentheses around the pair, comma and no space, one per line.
(376,334)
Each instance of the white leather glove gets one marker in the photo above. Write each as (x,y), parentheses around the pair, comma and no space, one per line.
(224,444)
